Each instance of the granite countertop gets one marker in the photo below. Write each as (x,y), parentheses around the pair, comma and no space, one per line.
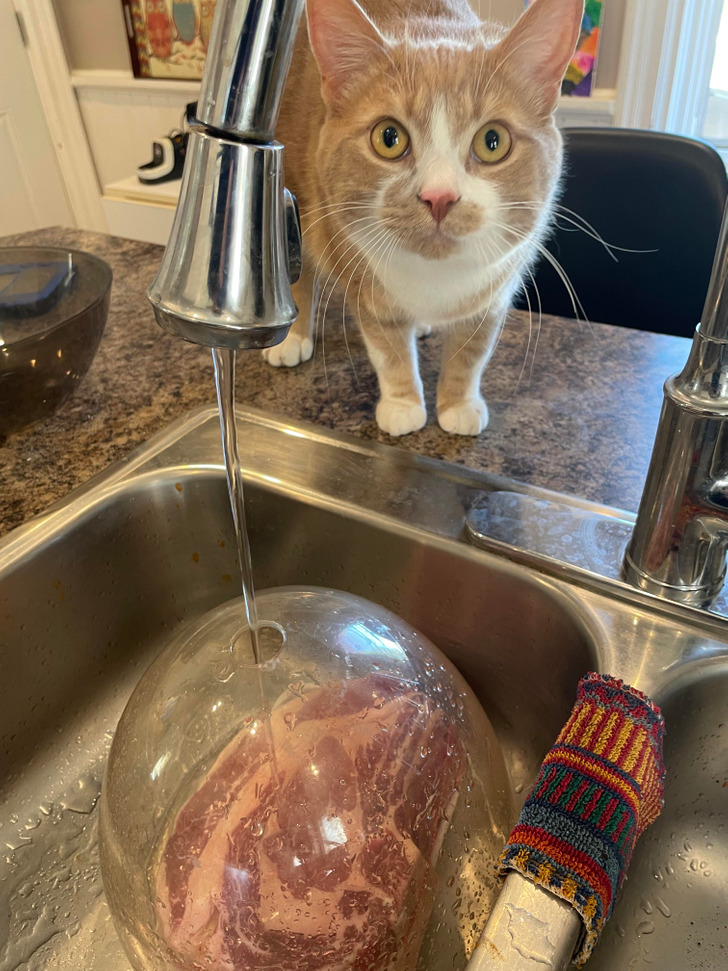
(573,406)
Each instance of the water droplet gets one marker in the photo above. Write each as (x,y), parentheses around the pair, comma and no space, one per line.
(646,906)
(83,796)
(225,672)
(18,842)
(529,936)
(662,907)
(646,927)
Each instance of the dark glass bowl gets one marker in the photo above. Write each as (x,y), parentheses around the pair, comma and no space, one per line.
(53,308)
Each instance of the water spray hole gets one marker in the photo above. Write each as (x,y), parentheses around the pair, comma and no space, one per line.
(271,640)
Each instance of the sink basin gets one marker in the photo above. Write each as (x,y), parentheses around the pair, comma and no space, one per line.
(673,913)
(92,590)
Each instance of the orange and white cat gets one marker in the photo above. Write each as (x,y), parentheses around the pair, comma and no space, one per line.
(421,145)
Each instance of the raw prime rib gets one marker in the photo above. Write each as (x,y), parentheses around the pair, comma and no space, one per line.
(333,870)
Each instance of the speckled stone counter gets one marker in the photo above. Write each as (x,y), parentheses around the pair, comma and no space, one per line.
(573,406)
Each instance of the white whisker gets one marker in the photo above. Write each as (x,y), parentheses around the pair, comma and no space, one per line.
(577,306)
(370,233)
(373,242)
(530,332)
(317,278)
(580,225)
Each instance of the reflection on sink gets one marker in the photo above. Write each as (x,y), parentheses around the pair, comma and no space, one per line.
(673,913)
(90,592)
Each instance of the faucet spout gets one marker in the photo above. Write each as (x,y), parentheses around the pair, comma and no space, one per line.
(235,247)
(679,544)
(251,46)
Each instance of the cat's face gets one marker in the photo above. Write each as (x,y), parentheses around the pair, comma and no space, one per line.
(437,142)
(440,162)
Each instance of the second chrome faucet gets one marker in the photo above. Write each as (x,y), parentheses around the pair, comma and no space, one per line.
(678,547)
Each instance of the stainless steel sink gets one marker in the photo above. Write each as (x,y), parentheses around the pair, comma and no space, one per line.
(673,913)
(92,590)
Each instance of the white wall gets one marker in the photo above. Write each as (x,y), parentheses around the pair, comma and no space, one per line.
(122,122)
(93,34)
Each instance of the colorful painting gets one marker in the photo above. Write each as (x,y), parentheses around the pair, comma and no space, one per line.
(168,38)
(579,78)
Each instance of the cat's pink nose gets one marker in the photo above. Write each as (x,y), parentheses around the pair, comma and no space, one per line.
(440,202)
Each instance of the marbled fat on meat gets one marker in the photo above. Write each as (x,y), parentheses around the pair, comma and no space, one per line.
(333,868)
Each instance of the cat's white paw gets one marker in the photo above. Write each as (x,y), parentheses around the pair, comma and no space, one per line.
(290,352)
(423,330)
(468,418)
(400,417)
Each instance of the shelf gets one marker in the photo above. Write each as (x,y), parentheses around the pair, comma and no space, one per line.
(131,189)
(125,80)
(601,102)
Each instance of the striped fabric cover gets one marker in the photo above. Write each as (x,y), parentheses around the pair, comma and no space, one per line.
(598,788)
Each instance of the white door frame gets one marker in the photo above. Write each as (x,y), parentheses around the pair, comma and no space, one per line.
(665,64)
(53,79)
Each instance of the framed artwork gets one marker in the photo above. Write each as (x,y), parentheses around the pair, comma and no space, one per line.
(579,78)
(168,38)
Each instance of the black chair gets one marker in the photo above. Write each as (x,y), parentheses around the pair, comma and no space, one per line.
(639,190)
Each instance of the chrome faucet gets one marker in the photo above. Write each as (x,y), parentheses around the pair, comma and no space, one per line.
(678,547)
(235,247)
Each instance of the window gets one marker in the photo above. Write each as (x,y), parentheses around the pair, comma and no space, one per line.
(715,125)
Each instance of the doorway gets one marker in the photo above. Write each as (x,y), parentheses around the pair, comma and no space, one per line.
(32,193)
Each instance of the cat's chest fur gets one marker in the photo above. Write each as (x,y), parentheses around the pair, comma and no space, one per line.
(436,292)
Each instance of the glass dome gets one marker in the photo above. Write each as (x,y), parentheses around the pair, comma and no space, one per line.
(339,805)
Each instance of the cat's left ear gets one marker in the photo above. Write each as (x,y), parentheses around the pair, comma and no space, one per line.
(343,40)
(542,43)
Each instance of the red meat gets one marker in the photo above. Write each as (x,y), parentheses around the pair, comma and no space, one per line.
(330,868)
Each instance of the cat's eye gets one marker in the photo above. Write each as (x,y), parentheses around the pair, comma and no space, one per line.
(492,142)
(390,139)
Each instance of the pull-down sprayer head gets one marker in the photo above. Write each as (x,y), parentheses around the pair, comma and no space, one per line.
(235,247)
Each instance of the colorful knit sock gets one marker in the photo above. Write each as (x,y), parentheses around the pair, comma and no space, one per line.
(599,787)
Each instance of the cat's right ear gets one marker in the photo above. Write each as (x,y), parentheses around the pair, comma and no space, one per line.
(343,39)
(542,43)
